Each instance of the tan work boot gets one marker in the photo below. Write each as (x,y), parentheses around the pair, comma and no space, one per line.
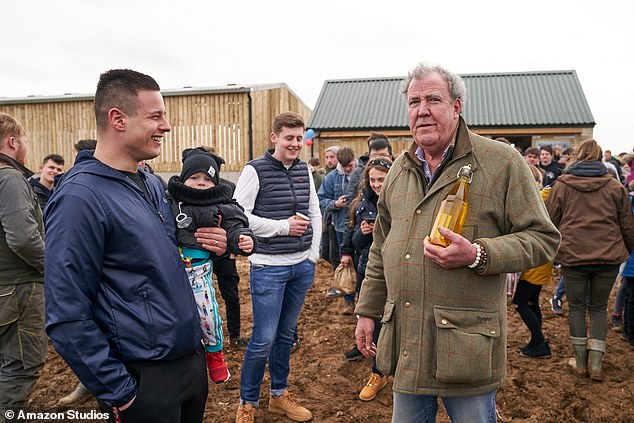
(348,308)
(374,385)
(287,405)
(79,394)
(245,414)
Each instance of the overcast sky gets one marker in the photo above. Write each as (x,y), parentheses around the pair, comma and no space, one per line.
(57,47)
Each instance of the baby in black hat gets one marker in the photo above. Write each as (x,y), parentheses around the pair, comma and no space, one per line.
(200,199)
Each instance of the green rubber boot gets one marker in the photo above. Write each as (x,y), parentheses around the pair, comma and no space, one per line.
(578,364)
(596,349)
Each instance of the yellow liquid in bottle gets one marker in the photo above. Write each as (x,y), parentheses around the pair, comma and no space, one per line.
(452,213)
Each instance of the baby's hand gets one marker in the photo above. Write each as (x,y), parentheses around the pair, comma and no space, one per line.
(245,243)
(366,227)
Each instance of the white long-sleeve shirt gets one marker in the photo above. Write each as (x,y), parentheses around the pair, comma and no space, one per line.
(246,192)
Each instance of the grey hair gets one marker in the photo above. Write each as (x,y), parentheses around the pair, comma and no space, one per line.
(457,88)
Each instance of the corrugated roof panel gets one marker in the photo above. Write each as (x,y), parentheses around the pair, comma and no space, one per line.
(359,103)
(526,99)
(495,99)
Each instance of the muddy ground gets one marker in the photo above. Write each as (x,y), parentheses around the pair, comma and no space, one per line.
(535,390)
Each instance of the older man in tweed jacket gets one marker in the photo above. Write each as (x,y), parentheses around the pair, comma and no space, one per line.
(443,310)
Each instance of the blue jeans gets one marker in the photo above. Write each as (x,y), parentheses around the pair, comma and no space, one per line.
(410,408)
(561,289)
(628,315)
(619,301)
(277,296)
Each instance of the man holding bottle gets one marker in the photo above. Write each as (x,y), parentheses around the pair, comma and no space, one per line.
(443,309)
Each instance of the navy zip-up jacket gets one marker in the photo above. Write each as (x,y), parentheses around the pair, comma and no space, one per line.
(116,288)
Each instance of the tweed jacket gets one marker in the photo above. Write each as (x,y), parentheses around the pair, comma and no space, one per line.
(444,331)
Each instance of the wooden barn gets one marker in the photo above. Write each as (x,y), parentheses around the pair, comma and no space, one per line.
(526,108)
(235,119)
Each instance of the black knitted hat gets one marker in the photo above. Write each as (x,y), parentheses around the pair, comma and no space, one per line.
(198,160)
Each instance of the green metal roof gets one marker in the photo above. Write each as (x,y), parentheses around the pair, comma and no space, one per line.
(545,98)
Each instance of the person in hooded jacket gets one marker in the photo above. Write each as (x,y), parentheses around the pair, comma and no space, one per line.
(119,306)
(199,199)
(585,201)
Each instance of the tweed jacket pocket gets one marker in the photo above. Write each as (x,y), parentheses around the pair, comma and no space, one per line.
(464,344)
(388,345)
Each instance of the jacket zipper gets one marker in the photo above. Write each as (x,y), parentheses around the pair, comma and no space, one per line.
(151,202)
(154,205)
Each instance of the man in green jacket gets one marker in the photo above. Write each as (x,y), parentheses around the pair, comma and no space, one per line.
(443,310)
(22,337)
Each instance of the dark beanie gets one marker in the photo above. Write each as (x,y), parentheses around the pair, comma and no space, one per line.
(197,160)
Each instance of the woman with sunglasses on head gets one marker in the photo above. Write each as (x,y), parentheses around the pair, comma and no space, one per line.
(356,243)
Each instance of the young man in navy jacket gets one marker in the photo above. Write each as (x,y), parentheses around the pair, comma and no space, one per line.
(119,308)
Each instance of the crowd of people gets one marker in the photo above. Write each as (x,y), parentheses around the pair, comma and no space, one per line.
(117,271)
(592,192)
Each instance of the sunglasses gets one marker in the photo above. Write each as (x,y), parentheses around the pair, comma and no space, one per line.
(380,162)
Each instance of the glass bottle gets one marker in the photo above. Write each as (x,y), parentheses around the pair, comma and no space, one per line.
(453,209)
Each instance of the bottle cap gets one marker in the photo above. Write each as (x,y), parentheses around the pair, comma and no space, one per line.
(466,172)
